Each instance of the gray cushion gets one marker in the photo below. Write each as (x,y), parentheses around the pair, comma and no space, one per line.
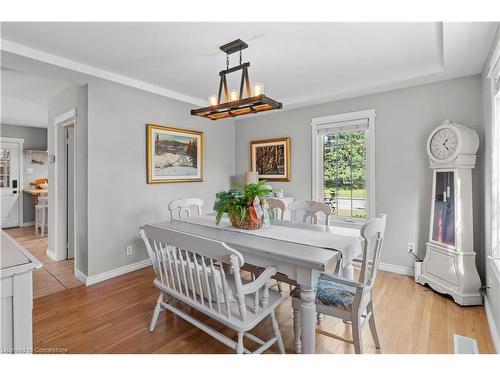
(331,293)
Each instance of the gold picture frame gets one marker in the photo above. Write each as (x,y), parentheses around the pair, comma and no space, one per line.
(278,151)
(173,154)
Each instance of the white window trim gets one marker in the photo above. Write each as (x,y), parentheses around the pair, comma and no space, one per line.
(332,121)
(493,73)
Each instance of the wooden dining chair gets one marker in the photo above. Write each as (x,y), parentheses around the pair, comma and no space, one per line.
(278,206)
(346,299)
(184,205)
(192,269)
(310,209)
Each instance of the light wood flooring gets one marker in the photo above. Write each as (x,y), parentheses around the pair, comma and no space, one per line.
(54,276)
(113,317)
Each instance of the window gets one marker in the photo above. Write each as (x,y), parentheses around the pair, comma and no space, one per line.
(492,145)
(343,160)
(495,196)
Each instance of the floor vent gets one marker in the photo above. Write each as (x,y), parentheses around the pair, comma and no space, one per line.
(465,345)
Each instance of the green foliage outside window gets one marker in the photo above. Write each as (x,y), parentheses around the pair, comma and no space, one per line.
(344,170)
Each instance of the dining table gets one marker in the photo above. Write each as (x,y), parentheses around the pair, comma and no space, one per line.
(300,251)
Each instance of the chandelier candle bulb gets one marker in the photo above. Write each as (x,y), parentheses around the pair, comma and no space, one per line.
(212,100)
(234,95)
(258,88)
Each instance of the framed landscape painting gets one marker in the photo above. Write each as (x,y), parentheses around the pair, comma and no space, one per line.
(173,155)
(270,158)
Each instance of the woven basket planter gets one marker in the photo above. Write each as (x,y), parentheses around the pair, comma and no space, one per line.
(246,223)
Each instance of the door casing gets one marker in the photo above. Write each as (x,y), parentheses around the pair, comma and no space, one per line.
(59,207)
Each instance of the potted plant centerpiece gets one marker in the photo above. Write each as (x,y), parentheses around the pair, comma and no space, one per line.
(244,206)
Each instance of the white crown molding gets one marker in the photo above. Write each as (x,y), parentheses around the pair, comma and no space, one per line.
(62,62)
(21,122)
(495,56)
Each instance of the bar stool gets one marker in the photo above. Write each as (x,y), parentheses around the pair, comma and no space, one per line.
(41,215)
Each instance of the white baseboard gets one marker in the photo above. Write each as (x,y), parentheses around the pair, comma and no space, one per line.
(409,271)
(28,224)
(394,268)
(51,254)
(89,280)
(493,327)
(81,276)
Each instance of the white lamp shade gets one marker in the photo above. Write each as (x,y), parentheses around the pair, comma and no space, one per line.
(233,95)
(251,177)
(212,100)
(258,88)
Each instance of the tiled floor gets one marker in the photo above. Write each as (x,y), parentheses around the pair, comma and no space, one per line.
(54,276)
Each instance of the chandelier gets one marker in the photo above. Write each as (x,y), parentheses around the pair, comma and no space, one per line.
(234,104)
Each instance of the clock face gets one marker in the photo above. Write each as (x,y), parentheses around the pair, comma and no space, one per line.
(444,143)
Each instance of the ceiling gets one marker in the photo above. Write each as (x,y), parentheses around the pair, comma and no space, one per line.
(299,63)
(25,97)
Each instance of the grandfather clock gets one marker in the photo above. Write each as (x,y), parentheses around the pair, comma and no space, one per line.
(449,265)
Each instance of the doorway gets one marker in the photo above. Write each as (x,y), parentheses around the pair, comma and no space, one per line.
(64,166)
(11,166)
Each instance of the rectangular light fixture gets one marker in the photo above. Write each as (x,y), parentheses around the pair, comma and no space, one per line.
(234,103)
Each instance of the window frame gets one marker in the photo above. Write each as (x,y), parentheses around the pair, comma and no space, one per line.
(491,209)
(319,124)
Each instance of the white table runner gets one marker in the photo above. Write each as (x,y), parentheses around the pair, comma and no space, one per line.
(344,240)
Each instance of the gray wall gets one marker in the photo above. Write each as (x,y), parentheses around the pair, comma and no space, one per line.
(74,97)
(493,280)
(404,119)
(119,199)
(34,139)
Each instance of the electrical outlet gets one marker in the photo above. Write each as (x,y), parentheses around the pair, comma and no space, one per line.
(129,250)
(411,247)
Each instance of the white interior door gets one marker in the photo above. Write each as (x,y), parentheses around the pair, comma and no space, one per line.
(10,183)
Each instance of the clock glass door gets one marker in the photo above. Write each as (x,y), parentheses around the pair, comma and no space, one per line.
(444,209)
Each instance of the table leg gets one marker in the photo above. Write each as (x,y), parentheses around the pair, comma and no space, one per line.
(308,319)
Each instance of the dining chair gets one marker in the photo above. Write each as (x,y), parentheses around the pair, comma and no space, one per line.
(347,299)
(183,205)
(194,270)
(310,209)
(278,206)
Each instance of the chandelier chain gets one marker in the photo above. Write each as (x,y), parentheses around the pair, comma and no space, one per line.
(227,61)
(240,56)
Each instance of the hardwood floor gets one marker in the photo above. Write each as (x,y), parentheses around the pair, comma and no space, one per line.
(113,317)
(54,276)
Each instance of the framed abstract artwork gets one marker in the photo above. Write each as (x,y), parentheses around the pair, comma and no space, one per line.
(173,155)
(270,158)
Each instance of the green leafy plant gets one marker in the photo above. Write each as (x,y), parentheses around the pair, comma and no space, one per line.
(235,202)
